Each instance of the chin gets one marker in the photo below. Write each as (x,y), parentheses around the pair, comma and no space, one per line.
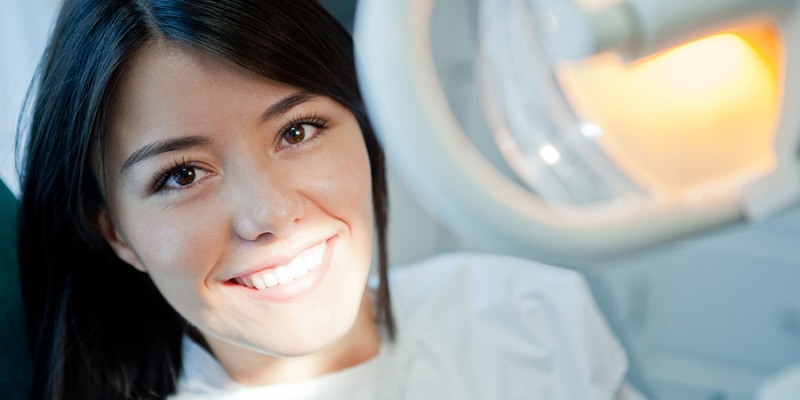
(301,345)
(307,338)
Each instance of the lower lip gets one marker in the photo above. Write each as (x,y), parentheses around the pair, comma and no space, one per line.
(293,290)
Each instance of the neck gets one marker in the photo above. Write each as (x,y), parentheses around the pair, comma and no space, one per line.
(361,343)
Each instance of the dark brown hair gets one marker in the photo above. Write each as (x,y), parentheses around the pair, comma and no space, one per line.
(98,328)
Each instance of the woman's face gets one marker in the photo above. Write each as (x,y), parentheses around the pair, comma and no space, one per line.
(248,202)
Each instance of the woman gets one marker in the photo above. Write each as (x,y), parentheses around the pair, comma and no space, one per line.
(199,194)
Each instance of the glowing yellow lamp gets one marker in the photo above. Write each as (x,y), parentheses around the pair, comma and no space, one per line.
(624,123)
(698,117)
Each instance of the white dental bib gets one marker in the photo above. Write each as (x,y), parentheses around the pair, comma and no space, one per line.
(534,332)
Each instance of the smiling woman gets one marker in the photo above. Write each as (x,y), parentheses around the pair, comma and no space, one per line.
(201,189)
(230,163)
(249,197)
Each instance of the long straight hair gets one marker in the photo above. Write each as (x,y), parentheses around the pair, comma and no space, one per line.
(99,329)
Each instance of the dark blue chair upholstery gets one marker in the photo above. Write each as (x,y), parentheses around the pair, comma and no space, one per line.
(15,364)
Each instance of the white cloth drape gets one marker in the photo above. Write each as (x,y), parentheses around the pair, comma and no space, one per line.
(470,326)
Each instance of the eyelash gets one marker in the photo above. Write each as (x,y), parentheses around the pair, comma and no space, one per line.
(314,120)
(168,171)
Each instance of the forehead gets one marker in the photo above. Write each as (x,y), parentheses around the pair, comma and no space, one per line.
(169,89)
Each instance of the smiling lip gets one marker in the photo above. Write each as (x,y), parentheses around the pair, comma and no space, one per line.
(283,283)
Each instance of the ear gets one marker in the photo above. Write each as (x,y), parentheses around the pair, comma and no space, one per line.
(117,242)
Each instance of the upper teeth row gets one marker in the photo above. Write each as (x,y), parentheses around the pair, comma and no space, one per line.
(304,262)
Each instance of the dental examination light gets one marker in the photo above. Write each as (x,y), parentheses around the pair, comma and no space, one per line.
(587,128)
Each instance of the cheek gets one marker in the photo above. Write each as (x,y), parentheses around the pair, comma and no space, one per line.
(345,188)
(175,244)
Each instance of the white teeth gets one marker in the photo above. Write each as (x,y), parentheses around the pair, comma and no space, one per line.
(282,274)
(297,271)
(258,282)
(270,279)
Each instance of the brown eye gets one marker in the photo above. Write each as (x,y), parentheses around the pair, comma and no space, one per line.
(295,134)
(181,176)
(299,133)
(184,176)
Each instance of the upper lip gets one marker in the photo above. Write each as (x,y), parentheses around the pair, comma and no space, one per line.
(284,257)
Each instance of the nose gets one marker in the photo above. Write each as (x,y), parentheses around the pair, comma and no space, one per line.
(266,203)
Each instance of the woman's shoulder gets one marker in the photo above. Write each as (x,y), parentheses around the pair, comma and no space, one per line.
(531,328)
(481,277)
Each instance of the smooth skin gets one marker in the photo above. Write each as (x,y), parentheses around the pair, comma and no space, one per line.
(239,187)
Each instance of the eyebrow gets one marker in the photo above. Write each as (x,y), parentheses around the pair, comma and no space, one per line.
(286,104)
(164,146)
(182,143)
